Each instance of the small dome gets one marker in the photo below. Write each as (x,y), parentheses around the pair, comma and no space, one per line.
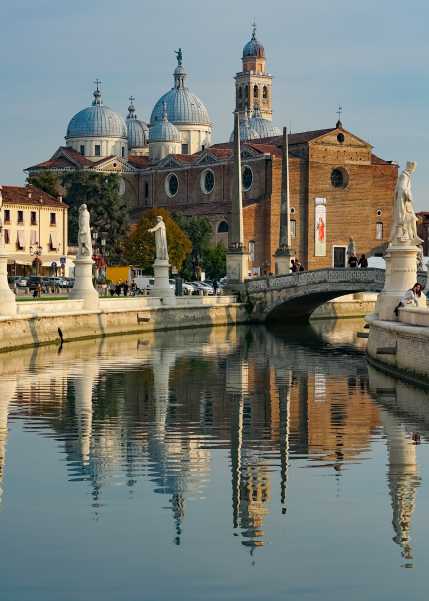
(138,131)
(183,106)
(163,130)
(253,47)
(264,127)
(97,121)
(246,131)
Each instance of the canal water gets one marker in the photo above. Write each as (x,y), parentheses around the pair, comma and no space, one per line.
(227,463)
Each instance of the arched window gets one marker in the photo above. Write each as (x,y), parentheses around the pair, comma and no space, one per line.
(222,228)
(265,92)
(246,93)
(240,92)
(379,230)
(255,91)
(252,250)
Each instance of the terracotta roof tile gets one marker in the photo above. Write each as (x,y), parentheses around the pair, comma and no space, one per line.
(19,195)
(375,160)
(140,162)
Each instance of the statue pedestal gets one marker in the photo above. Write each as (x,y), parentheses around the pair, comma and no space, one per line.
(401,275)
(237,268)
(7,297)
(83,287)
(161,288)
(283,257)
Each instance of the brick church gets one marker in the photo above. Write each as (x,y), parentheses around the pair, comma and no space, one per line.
(338,188)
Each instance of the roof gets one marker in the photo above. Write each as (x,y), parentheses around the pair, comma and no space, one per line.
(97,121)
(138,161)
(64,158)
(20,195)
(375,160)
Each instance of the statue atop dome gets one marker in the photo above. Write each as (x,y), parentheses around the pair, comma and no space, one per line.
(179,56)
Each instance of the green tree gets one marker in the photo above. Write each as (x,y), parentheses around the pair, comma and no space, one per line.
(139,248)
(47,181)
(199,232)
(109,211)
(214,261)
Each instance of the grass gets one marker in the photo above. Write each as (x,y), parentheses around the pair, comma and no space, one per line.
(23,299)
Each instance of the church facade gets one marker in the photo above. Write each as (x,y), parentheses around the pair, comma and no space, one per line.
(338,188)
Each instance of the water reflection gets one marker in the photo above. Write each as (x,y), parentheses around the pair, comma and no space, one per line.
(162,407)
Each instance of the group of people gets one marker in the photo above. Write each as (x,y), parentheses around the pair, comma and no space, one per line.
(354,262)
(296,265)
(123,288)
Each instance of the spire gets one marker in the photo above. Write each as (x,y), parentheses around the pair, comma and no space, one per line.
(339,113)
(254,30)
(131,109)
(97,93)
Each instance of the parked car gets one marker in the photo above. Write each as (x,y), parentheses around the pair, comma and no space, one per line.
(17,280)
(34,281)
(188,288)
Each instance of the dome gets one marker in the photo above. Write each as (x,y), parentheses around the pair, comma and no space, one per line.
(182,105)
(246,131)
(264,127)
(253,47)
(138,131)
(163,130)
(97,121)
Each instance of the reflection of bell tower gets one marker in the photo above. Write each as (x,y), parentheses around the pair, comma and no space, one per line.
(253,85)
(403,481)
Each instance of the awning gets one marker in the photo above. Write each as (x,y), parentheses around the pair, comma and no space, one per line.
(53,241)
(20,240)
(33,237)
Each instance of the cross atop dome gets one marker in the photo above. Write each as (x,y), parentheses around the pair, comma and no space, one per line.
(339,113)
(97,92)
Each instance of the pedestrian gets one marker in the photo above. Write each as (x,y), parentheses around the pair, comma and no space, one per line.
(363,262)
(133,288)
(112,290)
(301,267)
(410,297)
(118,289)
(215,287)
(294,267)
(125,288)
(353,261)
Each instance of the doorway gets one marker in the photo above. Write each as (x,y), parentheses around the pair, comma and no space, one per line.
(339,256)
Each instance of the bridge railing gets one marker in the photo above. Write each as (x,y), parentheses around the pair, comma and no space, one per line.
(371,275)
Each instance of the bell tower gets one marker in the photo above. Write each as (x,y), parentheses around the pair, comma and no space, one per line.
(253,85)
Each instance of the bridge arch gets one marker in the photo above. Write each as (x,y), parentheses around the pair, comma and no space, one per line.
(296,295)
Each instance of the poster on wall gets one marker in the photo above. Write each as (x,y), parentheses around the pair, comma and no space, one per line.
(320,228)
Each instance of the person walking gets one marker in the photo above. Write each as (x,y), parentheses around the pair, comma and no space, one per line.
(294,266)
(363,262)
(215,287)
(410,297)
(125,288)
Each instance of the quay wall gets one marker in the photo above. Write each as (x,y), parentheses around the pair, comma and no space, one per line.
(402,347)
(37,322)
(355,305)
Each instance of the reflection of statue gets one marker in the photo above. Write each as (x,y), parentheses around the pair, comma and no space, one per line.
(160,239)
(405,220)
(179,56)
(351,248)
(84,236)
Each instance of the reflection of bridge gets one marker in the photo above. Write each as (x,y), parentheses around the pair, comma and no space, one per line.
(297,295)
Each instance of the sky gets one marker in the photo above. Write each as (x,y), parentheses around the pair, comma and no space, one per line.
(369,57)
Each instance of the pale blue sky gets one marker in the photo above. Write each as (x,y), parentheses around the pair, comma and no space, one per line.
(371,57)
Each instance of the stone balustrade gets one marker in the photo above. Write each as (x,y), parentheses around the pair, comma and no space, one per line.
(414,316)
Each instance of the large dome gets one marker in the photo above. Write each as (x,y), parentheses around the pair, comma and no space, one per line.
(264,127)
(246,131)
(254,48)
(138,131)
(183,106)
(97,121)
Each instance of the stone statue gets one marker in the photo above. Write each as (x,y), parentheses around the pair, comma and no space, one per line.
(84,236)
(404,227)
(351,248)
(179,56)
(160,239)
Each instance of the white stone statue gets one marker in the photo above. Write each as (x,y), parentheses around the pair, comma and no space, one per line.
(84,236)
(160,239)
(404,227)
(351,248)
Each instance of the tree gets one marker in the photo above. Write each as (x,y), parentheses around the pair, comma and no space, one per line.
(46,181)
(214,261)
(109,211)
(199,231)
(139,248)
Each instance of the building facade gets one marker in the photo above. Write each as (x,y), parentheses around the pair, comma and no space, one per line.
(34,229)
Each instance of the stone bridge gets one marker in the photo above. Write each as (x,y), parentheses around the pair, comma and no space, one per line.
(297,295)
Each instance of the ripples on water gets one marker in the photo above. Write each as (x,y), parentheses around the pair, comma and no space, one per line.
(232,443)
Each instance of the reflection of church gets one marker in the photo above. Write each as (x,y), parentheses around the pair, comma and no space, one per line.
(172,162)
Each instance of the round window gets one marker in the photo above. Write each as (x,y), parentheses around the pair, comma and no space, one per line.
(379,212)
(292,210)
(339,178)
(247,178)
(207,181)
(171,184)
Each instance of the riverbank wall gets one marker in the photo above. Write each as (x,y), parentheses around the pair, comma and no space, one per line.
(355,305)
(43,322)
(401,347)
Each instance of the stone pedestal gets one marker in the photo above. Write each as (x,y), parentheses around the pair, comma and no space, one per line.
(237,268)
(83,287)
(401,274)
(7,297)
(161,288)
(283,260)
